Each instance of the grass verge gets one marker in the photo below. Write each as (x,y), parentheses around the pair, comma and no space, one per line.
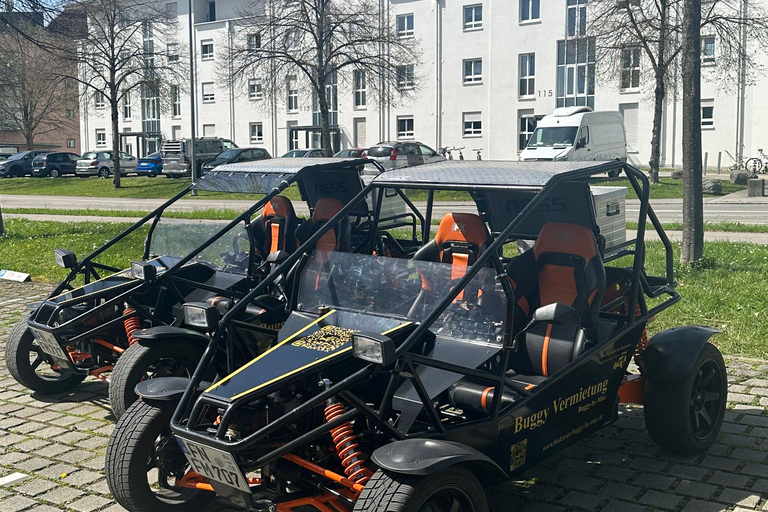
(209,214)
(731,227)
(667,188)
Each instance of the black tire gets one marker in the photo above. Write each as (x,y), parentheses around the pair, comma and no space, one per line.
(54,173)
(143,360)
(438,492)
(27,371)
(685,415)
(754,165)
(16,171)
(132,453)
(103,173)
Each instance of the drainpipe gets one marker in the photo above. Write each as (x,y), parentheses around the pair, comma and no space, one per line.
(230,41)
(742,82)
(438,74)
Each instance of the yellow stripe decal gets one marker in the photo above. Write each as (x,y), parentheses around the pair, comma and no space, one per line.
(340,352)
(289,338)
(397,328)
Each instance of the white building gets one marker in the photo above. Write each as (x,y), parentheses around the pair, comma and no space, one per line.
(489,69)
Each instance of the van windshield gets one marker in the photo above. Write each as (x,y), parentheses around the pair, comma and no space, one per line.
(554,136)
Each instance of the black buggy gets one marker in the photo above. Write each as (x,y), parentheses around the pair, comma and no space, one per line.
(411,383)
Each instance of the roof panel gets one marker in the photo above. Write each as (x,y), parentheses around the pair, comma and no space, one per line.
(290,165)
(479,173)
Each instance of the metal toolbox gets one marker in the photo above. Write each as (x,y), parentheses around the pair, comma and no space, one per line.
(611,215)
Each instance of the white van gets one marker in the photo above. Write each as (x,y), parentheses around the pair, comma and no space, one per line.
(576,134)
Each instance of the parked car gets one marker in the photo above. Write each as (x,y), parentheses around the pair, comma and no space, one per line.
(19,164)
(305,153)
(351,153)
(54,164)
(392,155)
(99,163)
(231,156)
(150,165)
(177,154)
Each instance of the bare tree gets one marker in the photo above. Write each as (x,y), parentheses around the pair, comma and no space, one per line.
(654,29)
(322,43)
(32,98)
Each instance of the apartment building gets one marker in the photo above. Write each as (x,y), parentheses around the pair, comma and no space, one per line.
(489,70)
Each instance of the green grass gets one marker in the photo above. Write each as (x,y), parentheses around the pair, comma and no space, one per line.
(732,227)
(667,188)
(209,214)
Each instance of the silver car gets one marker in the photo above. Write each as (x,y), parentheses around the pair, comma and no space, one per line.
(99,163)
(393,155)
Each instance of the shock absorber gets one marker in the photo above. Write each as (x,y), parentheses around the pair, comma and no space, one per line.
(344,442)
(131,324)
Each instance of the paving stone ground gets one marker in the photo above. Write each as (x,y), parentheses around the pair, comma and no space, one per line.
(59,442)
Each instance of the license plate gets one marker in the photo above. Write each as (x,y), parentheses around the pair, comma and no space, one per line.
(50,346)
(214,464)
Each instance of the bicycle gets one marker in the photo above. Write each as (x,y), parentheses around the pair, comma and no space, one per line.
(479,154)
(758,164)
(448,152)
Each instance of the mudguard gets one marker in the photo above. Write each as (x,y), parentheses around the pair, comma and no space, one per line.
(166,389)
(671,354)
(427,456)
(165,332)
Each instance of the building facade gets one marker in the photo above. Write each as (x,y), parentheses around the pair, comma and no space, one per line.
(489,70)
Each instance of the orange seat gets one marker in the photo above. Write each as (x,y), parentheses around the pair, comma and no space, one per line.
(275,229)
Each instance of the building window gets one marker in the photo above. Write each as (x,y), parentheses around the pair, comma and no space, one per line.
(254,41)
(708,49)
(525,128)
(206,50)
(99,102)
(529,10)
(708,114)
(575,85)
(405,25)
(175,101)
(254,90)
(172,51)
(404,127)
(127,110)
(473,70)
(630,69)
(70,143)
(473,124)
(101,139)
(360,91)
(257,132)
(473,17)
(69,113)
(211,11)
(405,77)
(293,94)
(209,96)
(577,18)
(527,75)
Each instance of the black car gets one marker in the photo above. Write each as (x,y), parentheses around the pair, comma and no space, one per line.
(236,155)
(54,164)
(19,164)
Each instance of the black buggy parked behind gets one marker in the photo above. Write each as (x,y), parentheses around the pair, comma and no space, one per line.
(409,383)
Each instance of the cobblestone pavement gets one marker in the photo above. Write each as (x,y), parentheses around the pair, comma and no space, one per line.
(59,443)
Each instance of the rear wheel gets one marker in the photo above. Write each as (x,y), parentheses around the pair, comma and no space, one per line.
(143,462)
(754,165)
(16,171)
(33,368)
(54,173)
(104,173)
(685,415)
(171,358)
(449,490)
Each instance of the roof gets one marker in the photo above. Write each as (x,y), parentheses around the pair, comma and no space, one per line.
(289,165)
(474,174)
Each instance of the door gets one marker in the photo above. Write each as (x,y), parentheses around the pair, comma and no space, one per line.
(429,155)
(293,135)
(582,147)
(413,153)
(629,111)
(359,134)
(68,163)
(175,132)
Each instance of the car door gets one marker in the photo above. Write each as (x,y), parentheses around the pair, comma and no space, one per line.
(582,147)
(413,154)
(429,155)
(69,163)
(127,161)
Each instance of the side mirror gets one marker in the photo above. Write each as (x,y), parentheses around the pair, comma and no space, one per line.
(374,348)
(277,257)
(65,258)
(555,313)
(581,143)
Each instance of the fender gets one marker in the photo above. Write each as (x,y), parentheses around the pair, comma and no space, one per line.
(165,389)
(671,354)
(165,332)
(427,456)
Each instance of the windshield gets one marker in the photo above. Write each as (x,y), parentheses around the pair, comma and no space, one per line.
(89,156)
(362,285)
(227,155)
(554,136)
(16,156)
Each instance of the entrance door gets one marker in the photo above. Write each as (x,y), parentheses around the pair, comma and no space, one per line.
(175,132)
(359,133)
(293,135)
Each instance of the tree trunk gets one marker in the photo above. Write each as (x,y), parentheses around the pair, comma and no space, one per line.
(113,107)
(658,105)
(693,207)
(325,121)
(2,228)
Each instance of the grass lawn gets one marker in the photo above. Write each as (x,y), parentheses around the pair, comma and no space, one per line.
(667,188)
(726,291)
(732,227)
(210,214)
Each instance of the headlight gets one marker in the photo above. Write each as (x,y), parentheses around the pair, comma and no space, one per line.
(143,270)
(374,348)
(561,158)
(201,314)
(65,258)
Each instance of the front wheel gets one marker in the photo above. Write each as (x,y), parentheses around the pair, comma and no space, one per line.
(54,173)
(33,368)
(754,165)
(449,490)
(104,173)
(171,358)
(685,415)
(143,462)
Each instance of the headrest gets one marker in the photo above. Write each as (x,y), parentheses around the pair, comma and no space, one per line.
(326,208)
(279,206)
(461,227)
(566,238)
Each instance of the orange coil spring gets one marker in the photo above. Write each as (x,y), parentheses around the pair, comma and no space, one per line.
(131,324)
(643,343)
(344,440)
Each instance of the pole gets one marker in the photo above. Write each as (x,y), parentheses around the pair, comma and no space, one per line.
(704,168)
(719,159)
(742,79)
(192,102)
